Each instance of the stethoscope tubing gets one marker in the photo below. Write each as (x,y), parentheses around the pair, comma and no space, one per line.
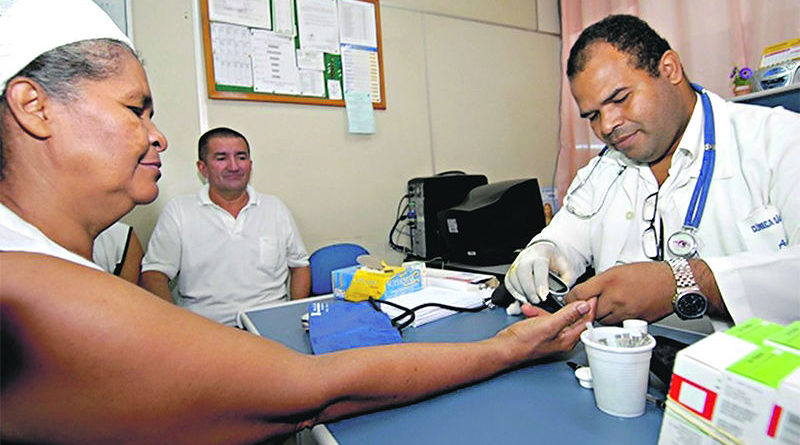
(698,202)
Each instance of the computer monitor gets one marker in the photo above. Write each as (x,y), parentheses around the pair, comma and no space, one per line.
(492,223)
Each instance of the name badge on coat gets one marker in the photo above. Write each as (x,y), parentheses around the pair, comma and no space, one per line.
(763,230)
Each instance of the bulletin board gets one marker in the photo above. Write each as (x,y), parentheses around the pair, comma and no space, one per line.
(296,51)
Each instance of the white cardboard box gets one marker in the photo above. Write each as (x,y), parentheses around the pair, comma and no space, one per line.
(787,339)
(729,390)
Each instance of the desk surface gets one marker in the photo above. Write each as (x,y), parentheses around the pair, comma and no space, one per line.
(541,403)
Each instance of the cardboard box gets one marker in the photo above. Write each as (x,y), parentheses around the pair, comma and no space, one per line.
(787,419)
(734,388)
(755,330)
(749,408)
(787,338)
(358,283)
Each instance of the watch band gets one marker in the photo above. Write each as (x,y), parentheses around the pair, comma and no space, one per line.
(688,302)
(684,278)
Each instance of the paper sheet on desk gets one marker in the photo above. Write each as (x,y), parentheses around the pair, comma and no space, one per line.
(430,294)
(466,279)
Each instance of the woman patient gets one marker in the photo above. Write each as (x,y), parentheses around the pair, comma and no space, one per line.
(90,358)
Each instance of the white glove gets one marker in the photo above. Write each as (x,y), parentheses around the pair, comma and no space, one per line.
(527,279)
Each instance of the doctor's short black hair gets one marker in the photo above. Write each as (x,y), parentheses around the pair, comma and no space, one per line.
(628,34)
(219,132)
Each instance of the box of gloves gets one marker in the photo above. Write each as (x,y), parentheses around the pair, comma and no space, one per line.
(375,279)
(735,387)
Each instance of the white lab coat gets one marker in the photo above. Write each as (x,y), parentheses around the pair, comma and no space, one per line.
(750,229)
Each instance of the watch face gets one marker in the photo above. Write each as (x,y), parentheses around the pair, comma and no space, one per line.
(691,305)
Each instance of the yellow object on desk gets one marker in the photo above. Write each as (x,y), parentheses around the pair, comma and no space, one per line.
(359,283)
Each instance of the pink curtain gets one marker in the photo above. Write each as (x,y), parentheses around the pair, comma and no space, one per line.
(711,36)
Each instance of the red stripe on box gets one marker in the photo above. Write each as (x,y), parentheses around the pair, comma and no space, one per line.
(773,421)
(675,391)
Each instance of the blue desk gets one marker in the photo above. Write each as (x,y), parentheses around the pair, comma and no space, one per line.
(541,403)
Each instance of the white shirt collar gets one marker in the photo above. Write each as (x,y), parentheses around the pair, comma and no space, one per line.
(691,142)
(205,198)
(17,234)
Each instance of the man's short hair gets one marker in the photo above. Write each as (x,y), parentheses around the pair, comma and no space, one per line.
(628,34)
(219,132)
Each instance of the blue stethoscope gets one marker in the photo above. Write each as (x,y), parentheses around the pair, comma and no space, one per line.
(682,243)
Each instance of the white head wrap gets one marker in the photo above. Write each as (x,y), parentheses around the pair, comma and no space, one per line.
(30,28)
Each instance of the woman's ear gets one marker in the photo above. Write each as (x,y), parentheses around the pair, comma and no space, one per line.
(28,103)
(670,67)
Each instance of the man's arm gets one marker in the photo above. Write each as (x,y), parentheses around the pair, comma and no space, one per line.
(300,283)
(157,283)
(163,256)
(132,262)
(92,354)
(708,286)
(644,290)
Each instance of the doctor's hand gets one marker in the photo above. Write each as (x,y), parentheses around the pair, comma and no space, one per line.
(637,290)
(527,280)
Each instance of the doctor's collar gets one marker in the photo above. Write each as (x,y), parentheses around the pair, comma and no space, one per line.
(691,142)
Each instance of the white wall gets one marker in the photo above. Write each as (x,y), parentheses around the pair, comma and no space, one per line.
(470,85)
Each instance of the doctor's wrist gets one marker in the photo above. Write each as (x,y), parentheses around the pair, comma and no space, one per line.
(708,286)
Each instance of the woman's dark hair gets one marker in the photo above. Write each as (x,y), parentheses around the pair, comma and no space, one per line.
(628,34)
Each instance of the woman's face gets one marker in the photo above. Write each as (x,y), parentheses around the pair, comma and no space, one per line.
(106,142)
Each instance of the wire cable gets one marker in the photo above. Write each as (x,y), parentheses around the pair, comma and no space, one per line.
(410,313)
(399,217)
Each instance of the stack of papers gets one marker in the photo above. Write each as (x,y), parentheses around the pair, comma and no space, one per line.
(431,294)
(457,280)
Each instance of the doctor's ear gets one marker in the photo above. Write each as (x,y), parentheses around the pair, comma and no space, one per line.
(670,67)
(30,106)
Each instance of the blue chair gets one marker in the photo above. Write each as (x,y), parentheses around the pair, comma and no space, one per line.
(329,258)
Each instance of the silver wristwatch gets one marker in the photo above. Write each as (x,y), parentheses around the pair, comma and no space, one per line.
(688,302)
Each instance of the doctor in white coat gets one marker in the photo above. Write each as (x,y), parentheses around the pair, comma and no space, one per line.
(694,208)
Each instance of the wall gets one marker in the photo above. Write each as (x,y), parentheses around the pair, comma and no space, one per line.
(470,85)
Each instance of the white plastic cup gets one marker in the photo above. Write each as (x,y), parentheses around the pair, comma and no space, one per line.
(635,326)
(619,375)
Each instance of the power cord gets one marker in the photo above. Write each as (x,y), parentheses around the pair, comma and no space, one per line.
(400,216)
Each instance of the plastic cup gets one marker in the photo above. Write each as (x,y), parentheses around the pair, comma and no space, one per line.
(619,374)
(635,325)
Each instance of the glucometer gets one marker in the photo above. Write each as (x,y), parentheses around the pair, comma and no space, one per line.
(558,289)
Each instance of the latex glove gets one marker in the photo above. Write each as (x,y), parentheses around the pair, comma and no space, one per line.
(527,278)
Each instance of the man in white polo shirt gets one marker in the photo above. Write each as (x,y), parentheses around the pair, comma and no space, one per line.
(231,248)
